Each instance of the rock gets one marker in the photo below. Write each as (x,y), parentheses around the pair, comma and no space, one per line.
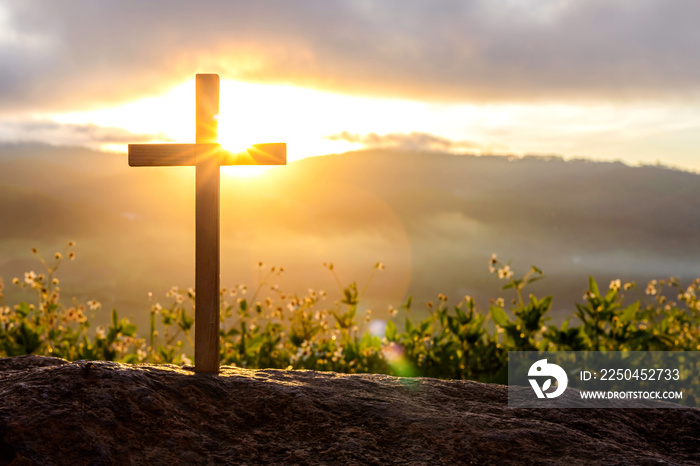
(56,412)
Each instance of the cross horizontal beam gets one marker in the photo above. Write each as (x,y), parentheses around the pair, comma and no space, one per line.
(168,155)
(207,157)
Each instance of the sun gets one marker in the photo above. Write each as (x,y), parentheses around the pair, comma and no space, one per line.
(243,122)
(253,113)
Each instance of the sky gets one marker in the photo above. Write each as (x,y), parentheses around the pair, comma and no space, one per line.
(602,80)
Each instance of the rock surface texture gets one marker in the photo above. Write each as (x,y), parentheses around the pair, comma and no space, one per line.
(55,412)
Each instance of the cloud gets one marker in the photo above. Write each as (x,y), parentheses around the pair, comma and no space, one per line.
(70,54)
(411,141)
(87,135)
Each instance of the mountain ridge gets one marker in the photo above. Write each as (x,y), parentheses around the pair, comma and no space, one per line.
(434,219)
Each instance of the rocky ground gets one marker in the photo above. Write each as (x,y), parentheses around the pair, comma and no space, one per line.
(55,412)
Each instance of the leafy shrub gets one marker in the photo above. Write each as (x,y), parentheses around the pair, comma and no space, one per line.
(53,329)
(307,332)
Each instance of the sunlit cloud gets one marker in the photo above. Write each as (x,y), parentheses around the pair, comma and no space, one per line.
(314,122)
(70,134)
(410,141)
(477,51)
(514,77)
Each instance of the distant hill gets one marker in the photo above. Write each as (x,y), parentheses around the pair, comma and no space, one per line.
(434,219)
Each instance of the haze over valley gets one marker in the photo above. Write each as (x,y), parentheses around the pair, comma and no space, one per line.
(433,219)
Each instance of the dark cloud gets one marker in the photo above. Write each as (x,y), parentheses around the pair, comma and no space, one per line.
(55,133)
(73,53)
(410,141)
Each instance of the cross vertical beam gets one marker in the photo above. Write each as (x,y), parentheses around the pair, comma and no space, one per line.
(207,266)
(206,155)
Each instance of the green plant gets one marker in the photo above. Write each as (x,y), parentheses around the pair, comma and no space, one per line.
(307,331)
(51,328)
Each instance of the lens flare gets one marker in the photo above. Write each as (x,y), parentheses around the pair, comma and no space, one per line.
(395,355)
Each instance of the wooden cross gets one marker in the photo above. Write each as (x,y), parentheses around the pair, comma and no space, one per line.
(207,156)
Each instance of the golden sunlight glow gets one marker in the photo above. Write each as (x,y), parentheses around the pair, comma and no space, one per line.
(259,113)
(245,171)
(256,113)
(305,118)
(248,114)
